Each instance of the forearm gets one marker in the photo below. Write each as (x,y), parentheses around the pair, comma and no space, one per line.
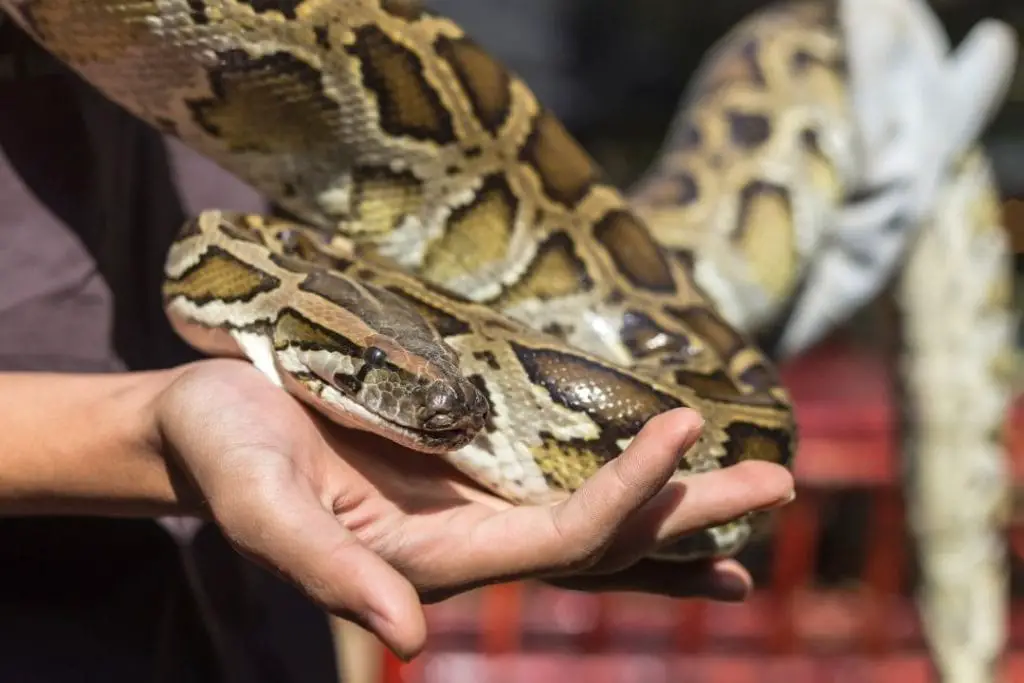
(86,445)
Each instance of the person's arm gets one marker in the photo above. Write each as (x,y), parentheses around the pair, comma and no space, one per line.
(86,445)
(365,528)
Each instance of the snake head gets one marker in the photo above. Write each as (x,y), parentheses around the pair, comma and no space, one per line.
(369,360)
(395,395)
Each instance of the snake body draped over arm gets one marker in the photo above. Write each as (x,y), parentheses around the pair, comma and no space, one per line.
(459,276)
(401,146)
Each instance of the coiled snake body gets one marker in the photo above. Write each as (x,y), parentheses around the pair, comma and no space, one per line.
(458,276)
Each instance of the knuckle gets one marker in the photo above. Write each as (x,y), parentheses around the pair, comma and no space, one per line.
(577,548)
(332,581)
(621,479)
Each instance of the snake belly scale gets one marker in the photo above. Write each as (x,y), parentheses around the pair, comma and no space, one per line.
(458,276)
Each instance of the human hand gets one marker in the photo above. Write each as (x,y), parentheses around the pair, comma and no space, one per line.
(369,530)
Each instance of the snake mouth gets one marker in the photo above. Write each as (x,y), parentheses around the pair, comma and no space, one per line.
(342,409)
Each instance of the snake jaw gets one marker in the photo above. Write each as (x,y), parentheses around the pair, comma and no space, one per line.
(344,409)
(445,422)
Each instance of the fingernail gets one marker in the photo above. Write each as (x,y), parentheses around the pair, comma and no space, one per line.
(733,588)
(385,630)
(782,502)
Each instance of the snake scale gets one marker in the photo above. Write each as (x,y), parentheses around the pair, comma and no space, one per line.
(535,325)
(455,273)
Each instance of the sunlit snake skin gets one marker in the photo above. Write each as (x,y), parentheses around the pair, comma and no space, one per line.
(403,144)
(391,133)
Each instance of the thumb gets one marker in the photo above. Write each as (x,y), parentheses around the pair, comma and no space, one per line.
(303,541)
(269,510)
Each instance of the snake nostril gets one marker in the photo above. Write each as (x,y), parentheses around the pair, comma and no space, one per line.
(439,407)
(440,398)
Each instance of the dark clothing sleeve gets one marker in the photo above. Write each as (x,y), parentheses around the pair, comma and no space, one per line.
(89,202)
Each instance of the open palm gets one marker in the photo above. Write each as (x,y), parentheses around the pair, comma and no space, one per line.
(369,530)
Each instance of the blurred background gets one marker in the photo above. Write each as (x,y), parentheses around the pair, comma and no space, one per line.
(614,69)
(835,577)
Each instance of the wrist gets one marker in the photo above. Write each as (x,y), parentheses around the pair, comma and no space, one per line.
(88,445)
(162,486)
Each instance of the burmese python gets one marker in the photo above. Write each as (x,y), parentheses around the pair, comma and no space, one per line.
(391,134)
(456,274)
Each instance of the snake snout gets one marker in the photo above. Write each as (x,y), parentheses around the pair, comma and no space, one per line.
(449,408)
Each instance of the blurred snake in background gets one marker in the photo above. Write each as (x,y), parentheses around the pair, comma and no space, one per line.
(457,275)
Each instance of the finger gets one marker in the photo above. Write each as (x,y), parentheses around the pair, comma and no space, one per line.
(712,498)
(724,580)
(697,502)
(308,545)
(531,540)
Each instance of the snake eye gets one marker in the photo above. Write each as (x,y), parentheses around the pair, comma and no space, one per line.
(374,356)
